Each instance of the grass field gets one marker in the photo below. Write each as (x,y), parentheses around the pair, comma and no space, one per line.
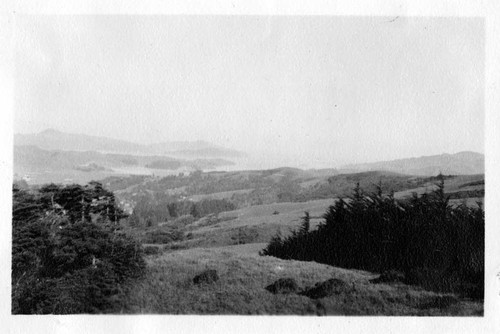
(451,185)
(168,288)
(219,195)
(255,224)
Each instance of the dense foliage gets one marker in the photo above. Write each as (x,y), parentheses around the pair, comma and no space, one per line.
(434,244)
(149,211)
(68,253)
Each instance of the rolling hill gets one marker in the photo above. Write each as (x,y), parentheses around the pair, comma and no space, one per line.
(461,163)
(230,243)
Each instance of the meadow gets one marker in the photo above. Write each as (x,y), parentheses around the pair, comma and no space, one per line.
(168,288)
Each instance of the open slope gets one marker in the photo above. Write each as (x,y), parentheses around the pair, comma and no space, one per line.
(230,243)
(168,288)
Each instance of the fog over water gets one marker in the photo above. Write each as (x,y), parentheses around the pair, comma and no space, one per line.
(289,91)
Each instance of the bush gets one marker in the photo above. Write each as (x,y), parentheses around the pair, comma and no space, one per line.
(207,277)
(152,250)
(284,286)
(62,262)
(326,288)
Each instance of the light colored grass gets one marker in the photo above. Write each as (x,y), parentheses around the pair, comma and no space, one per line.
(220,195)
(451,185)
(258,222)
(168,287)
(289,214)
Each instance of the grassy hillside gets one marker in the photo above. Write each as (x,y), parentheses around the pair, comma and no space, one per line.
(256,224)
(467,187)
(151,195)
(168,288)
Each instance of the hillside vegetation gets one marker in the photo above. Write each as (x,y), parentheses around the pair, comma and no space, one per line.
(151,197)
(68,253)
(432,243)
(76,251)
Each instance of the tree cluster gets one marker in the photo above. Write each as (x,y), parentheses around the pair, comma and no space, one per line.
(149,213)
(434,244)
(68,252)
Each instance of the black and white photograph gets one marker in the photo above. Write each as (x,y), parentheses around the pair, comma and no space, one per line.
(296,166)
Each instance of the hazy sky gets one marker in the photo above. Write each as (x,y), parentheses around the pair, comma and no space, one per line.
(302,91)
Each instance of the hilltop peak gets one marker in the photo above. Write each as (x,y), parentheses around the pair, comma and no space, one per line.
(465,162)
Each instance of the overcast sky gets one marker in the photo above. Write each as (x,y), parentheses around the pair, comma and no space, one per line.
(302,91)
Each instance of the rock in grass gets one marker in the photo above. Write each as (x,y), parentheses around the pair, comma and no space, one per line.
(207,277)
(324,289)
(283,285)
(389,276)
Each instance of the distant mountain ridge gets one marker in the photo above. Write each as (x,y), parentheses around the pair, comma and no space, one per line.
(53,150)
(461,163)
(42,166)
(32,158)
(51,139)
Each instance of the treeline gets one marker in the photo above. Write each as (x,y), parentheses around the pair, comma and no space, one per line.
(434,244)
(68,252)
(165,208)
(341,185)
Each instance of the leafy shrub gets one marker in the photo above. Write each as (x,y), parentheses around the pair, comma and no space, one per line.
(326,288)
(206,277)
(283,285)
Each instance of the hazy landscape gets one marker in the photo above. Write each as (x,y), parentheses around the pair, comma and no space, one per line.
(249,165)
(193,219)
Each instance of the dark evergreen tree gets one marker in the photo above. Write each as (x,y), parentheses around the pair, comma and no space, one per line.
(433,243)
